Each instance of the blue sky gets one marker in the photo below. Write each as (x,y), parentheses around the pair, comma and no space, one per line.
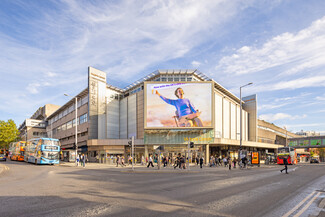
(46,47)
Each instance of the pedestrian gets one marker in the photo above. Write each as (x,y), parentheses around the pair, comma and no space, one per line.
(150,162)
(176,164)
(142,160)
(182,162)
(244,161)
(216,161)
(201,162)
(122,161)
(117,160)
(129,160)
(77,160)
(229,162)
(235,162)
(197,160)
(83,158)
(285,162)
(225,161)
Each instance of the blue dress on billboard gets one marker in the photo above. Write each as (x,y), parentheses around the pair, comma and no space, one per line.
(183,108)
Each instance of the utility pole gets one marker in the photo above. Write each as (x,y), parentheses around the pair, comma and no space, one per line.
(132,152)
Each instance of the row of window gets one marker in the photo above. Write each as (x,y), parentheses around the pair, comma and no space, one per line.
(69,109)
(39,134)
(274,131)
(80,120)
(175,78)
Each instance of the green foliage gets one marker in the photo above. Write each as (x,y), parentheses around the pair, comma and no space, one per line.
(8,133)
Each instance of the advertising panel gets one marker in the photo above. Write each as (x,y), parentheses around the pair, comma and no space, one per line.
(178,105)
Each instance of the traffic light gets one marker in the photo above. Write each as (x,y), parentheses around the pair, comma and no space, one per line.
(130,143)
(161,148)
(191,144)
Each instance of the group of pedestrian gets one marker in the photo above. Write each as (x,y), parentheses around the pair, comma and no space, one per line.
(180,162)
(120,161)
(81,159)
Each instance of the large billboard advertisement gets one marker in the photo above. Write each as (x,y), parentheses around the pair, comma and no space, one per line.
(178,105)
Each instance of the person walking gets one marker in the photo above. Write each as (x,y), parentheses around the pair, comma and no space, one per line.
(201,162)
(229,162)
(177,162)
(225,161)
(150,162)
(142,160)
(83,158)
(285,162)
(122,161)
(77,160)
(235,162)
(117,160)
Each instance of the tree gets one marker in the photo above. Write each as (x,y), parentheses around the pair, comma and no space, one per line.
(8,133)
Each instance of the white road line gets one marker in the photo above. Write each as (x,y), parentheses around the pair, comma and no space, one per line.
(296,207)
(307,205)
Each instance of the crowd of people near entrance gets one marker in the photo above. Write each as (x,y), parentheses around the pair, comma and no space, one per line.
(228,161)
(177,162)
(180,161)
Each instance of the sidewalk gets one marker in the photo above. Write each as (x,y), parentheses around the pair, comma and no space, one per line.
(143,168)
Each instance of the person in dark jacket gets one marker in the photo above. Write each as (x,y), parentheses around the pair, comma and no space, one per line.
(201,162)
(285,162)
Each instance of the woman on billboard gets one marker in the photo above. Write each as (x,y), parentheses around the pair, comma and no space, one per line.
(186,114)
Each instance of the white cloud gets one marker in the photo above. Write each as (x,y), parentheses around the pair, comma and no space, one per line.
(51,74)
(33,88)
(280,116)
(296,51)
(195,64)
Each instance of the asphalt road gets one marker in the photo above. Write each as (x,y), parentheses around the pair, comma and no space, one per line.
(35,190)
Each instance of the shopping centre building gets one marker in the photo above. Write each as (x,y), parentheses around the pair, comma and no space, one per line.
(166,108)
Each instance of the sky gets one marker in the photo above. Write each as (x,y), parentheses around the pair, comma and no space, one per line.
(279,45)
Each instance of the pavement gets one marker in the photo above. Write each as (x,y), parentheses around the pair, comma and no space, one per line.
(169,169)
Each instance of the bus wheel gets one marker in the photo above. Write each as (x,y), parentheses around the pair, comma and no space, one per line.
(35,162)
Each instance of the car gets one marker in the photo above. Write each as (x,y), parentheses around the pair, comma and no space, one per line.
(314,160)
(3,157)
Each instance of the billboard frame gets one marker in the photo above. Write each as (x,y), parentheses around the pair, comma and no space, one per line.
(181,82)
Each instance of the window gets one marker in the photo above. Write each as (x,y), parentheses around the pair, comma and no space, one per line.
(64,127)
(35,133)
(163,79)
(74,122)
(69,125)
(83,118)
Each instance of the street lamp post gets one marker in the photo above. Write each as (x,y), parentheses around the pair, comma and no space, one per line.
(76,127)
(241,126)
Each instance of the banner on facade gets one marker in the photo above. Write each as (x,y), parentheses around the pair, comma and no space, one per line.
(178,105)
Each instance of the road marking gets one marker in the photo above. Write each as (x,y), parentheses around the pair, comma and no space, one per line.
(296,207)
(307,205)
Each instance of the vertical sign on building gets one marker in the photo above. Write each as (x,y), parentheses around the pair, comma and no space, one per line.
(97,92)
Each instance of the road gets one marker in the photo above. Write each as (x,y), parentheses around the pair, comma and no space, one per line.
(36,190)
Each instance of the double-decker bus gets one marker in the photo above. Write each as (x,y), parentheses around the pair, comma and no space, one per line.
(289,153)
(43,151)
(17,150)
